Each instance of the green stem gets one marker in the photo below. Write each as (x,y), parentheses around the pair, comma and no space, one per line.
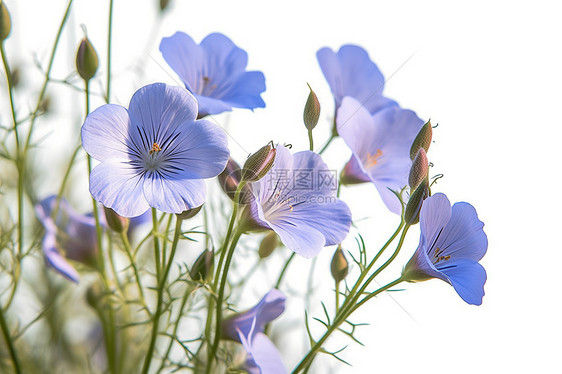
(282,274)
(109,33)
(326,144)
(156,244)
(159,304)
(129,251)
(310,140)
(9,343)
(47,78)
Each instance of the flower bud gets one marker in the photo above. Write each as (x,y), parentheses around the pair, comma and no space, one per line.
(115,221)
(413,208)
(164,4)
(268,244)
(190,213)
(259,164)
(5,22)
(86,60)
(229,180)
(419,170)
(202,268)
(422,140)
(339,266)
(94,295)
(311,110)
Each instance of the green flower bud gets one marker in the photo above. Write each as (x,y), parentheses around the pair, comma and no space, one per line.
(229,180)
(268,244)
(259,164)
(115,221)
(340,266)
(94,295)
(419,170)
(86,60)
(5,22)
(202,268)
(311,110)
(422,140)
(164,4)
(190,213)
(413,208)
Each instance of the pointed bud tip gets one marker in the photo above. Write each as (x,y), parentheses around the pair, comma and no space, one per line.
(422,140)
(419,170)
(115,222)
(202,268)
(311,112)
(259,164)
(86,60)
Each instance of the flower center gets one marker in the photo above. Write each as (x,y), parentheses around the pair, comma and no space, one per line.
(437,257)
(371,160)
(155,149)
(206,87)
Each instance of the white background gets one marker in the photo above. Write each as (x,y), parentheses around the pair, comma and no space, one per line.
(489,73)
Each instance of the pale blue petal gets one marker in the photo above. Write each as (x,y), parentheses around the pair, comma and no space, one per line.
(463,236)
(225,61)
(105,133)
(467,277)
(246,92)
(263,355)
(185,57)
(119,187)
(54,258)
(299,237)
(209,105)
(434,215)
(353,172)
(173,195)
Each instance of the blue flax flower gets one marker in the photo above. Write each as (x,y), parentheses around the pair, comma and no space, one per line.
(380,144)
(214,72)
(155,154)
(350,72)
(247,328)
(297,199)
(71,235)
(451,244)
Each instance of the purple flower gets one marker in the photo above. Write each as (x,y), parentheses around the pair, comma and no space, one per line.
(350,72)
(247,328)
(451,244)
(71,235)
(380,144)
(297,199)
(155,154)
(214,72)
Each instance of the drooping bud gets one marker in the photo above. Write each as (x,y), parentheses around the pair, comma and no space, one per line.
(339,266)
(86,60)
(413,208)
(258,164)
(422,140)
(190,213)
(268,244)
(419,170)
(229,180)
(311,110)
(164,4)
(94,295)
(5,22)
(115,221)
(202,268)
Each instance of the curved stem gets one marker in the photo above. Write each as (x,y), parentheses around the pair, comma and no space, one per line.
(9,343)
(109,33)
(284,270)
(326,144)
(129,251)
(161,286)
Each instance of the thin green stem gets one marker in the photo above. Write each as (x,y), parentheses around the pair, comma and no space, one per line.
(9,343)
(129,251)
(159,303)
(310,140)
(326,145)
(284,270)
(109,33)
(47,78)
(156,244)
(337,296)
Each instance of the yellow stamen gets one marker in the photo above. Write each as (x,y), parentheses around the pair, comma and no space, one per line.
(155,149)
(372,159)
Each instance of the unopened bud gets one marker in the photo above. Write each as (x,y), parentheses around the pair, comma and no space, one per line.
(413,208)
(339,266)
(15,77)
(311,110)
(419,170)
(164,4)
(190,213)
(259,164)
(268,244)
(115,221)
(422,140)
(94,295)
(5,22)
(86,60)
(202,268)
(229,180)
